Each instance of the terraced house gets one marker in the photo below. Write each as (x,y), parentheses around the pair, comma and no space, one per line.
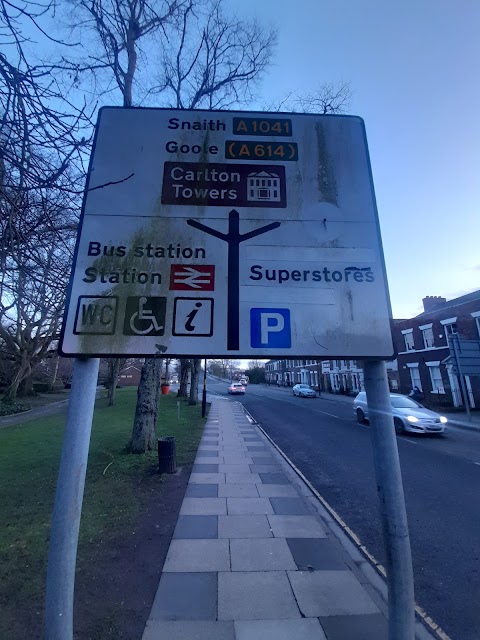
(424,356)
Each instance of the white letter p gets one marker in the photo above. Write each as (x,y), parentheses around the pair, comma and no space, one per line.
(266,327)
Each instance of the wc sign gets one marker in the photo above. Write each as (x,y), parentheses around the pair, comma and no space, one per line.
(270,328)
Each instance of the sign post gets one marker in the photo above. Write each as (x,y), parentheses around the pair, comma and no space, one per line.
(401,612)
(299,271)
(62,551)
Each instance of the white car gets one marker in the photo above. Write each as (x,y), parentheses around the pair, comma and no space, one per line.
(236,388)
(304,391)
(408,415)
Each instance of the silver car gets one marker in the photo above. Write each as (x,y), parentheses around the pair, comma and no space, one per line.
(408,415)
(304,391)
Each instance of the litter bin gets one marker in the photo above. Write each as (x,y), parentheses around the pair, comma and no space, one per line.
(167,455)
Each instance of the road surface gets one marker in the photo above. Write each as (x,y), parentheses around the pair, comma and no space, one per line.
(442,492)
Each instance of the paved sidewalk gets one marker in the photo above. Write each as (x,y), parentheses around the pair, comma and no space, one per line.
(250,558)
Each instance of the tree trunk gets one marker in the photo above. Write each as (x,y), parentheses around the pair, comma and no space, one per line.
(146,412)
(23,371)
(195,368)
(26,390)
(184,368)
(113,371)
(55,373)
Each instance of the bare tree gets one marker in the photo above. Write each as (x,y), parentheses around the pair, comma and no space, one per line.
(122,32)
(43,137)
(194,376)
(213,61)
(32,295)
(328,98)
(146,411)
(183,379)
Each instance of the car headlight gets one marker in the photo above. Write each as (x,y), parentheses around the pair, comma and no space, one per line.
(443,420)
(412,419)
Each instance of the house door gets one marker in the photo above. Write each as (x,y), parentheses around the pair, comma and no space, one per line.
(455,387)
(471,399)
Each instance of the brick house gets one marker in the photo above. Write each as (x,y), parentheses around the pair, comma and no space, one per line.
(335,376)
(130,376)
(422,349)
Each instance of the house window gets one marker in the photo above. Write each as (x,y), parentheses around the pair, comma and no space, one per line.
(408,337)
(415,377)
(451,329)
(436,378)
(427,337)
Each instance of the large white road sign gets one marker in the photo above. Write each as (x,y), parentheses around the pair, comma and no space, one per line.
(220,233)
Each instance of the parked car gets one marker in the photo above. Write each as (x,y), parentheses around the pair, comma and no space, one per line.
(408,414)
(304,391)
(236,388)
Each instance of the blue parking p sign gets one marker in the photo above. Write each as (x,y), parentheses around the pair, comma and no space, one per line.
(270,328)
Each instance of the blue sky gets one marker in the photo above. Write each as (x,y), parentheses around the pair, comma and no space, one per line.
(413,68)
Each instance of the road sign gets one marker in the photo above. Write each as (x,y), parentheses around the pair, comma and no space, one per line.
(222,233)
(465,355)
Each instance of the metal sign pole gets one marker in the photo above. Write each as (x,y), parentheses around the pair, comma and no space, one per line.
(401,603)
(461,377)
(204,393)
(62,553)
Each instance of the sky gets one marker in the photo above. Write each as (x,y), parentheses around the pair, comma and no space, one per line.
(413,69)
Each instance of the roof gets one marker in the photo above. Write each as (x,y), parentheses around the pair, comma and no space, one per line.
(263,174)
(450,304)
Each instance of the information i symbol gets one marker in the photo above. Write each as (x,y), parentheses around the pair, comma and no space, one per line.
(188,325)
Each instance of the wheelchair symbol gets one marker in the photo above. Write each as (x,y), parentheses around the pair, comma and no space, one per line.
(145,316)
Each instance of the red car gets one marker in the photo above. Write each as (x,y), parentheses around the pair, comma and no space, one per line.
(236,387)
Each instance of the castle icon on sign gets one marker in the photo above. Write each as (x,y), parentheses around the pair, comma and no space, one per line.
(263,186)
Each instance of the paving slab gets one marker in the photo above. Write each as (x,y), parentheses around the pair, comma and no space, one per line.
(234,468)
(205,468)
(307,629)
(257,449)
(202,491)
(203,507)
(366,627)
(241,458)
(202,454)
(255,596)
(207,478)
(289,507)
(189,630)
(263,459)
(271,554)
(238,490)
(244,527)
(330,593)
(199,527)
(276,490)
(265,468)
(316,554)
(248,506)
(296,527)
(204,459)
(274,478)
(186,596)
(197,555)
(242,478)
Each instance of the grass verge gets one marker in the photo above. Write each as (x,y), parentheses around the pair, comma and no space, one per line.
(29,461)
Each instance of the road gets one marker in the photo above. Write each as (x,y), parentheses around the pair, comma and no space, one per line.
(442,486)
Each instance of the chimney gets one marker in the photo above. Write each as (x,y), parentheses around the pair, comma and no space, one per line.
(431,301)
